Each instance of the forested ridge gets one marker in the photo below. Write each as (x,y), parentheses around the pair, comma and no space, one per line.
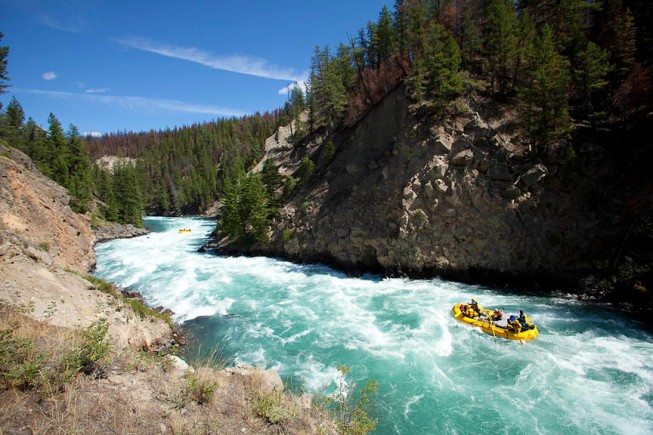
(182,170)
(558,63)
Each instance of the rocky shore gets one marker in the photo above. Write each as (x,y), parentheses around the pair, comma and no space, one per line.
(52,314)
(108,232)
(464,196)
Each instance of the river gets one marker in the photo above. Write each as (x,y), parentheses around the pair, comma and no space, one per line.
(589,371)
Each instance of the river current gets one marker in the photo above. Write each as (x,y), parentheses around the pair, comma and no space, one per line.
(589,371)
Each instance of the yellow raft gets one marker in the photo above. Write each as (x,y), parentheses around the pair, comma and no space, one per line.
(490,327)
(185,231)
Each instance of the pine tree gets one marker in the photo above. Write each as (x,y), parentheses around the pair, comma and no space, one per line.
(271,177)
(14,123)
(386,37)
(4,77)
(231,224)
(128,194)
(80,180)
(501,44)
(442,62)
(255,209)
(34,140)
(590,73)
(55,164)
(470,38)
(546,91)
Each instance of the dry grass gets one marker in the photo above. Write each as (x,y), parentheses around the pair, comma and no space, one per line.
(131,392)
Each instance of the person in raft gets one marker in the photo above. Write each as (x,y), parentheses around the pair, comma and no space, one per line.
(513,324)
(497,315)
(525,322)
(472,310)
(467,310)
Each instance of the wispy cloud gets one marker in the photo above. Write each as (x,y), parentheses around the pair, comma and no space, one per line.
(70,25)
(239,64)
(137,104)
(66,16)
(97,90)
(49,75)
(92,133)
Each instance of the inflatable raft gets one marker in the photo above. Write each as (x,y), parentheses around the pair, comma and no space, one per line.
(490,327)
(185,231)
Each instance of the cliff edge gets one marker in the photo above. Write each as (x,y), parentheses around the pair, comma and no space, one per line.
(464,195)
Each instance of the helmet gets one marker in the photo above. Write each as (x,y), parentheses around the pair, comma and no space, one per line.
(473,300)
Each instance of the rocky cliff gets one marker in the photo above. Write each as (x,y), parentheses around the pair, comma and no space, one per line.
(46,304)
(459,195)
(45,250)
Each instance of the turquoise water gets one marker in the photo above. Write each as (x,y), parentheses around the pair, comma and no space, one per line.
(589,371)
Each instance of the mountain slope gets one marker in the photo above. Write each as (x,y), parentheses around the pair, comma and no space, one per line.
(462,196)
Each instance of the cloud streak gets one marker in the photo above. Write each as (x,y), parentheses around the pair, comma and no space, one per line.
(137,104)
(96,91)
(239,64)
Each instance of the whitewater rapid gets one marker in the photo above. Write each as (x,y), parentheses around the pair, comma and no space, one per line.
(589,371)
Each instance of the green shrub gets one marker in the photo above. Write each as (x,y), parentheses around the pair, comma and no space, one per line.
(200,386)
(19,364)
(329,153)
(139,308)
(289,186)
(102,285)
(306,170)
(273,407)
(44,246)
(92,348)
(287,234)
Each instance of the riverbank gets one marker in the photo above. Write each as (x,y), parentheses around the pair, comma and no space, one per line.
(78,357)
(307,320)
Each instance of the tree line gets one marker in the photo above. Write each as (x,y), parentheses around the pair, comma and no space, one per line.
(553,59)
(183,170)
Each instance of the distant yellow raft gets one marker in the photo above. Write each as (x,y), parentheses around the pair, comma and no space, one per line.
(185,231)
(492,328)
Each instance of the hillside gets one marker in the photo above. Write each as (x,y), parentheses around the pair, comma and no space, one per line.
(412,192)
(76,357)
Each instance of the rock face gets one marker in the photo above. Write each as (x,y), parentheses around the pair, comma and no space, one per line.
(45,248)
(452,197)
(37,211)
(116,231)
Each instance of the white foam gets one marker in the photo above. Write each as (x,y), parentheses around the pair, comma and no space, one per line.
(413,400)
(306,320)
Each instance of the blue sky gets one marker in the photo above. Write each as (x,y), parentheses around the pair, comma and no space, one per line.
(114,65)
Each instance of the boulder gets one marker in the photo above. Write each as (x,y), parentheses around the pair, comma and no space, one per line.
(499,172)
(534,175)
(463,158)
(179,366)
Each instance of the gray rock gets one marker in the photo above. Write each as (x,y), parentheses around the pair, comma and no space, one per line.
(179,366)
(463,158)
(534,175)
